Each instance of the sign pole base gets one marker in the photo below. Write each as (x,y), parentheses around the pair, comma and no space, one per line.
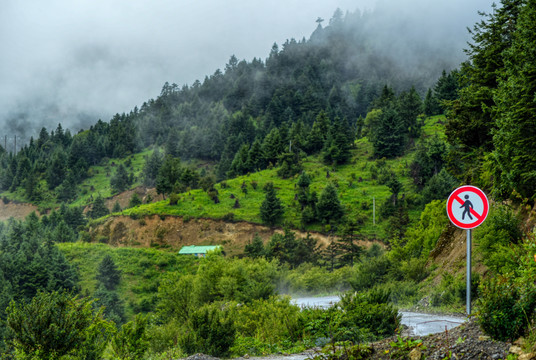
(468,277)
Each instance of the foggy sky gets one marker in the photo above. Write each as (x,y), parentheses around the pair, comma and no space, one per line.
(75,61)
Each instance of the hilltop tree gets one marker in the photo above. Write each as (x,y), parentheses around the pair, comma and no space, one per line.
(271,210)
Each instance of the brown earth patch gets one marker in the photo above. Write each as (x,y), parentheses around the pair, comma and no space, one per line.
(16,210)
(174,232)
(124,198)
(450,254)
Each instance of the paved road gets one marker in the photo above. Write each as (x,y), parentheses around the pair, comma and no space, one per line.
(419,324)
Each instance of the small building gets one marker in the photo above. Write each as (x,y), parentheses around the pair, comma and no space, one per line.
(199,251)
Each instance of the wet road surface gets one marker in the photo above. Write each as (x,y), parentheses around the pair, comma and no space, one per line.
(419,324)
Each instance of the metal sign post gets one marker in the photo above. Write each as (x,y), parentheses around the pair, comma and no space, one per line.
(467,208)
(468,277)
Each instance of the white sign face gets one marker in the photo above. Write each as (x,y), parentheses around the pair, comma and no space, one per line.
(467,207)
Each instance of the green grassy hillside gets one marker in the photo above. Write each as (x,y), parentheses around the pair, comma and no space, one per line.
(141,270)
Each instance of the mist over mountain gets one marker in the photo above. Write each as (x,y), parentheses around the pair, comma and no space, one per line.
(75,63)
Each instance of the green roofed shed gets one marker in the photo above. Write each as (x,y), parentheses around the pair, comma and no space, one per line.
(198,250)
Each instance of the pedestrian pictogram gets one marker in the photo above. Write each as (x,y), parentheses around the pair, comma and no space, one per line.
(467,207)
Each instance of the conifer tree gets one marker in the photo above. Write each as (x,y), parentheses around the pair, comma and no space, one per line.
(515,136)
(389,135)
(271,210)
(409,108)
(150,170)
(134,201)
(108,274)
(98,209)
(121,180)
(329,207)
(350,250)
(255,248)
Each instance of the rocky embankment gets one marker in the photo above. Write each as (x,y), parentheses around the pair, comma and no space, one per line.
(466,341)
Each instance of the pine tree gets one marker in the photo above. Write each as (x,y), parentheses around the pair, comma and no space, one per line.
(431,104)
(168,174)
(98,209)
(409,108)
(329,207)
(117,207)
(108,274)
(515,136)
(121,180)
(134,201)
(271,210)
(388,137)
(318,134)
(150,170)
(350,250)
(255,248)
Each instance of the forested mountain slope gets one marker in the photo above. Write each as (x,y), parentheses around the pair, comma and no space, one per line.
(303,140)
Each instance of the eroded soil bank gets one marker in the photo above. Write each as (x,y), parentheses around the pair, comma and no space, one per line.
(175,232)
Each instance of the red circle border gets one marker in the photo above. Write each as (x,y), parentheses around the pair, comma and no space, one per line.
(477,192)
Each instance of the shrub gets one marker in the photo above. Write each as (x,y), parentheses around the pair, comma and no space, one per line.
(370,273)
(229,217)
(174,199)
(131,341)
(56,324)
(270,320)
(499,231)
(211,332)
(364,311)
(506,306)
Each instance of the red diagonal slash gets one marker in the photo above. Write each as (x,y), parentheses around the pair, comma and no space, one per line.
(473,211)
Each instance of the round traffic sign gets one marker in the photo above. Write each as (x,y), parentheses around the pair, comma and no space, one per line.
(467,207)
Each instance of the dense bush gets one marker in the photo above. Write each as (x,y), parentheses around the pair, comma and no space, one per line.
(370,272)
(370,310)
(272,320)
(210,331)
(498,233)
(506,305)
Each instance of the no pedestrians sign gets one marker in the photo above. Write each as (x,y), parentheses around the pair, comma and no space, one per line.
(467,207)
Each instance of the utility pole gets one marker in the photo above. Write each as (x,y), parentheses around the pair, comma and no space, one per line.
(373,211)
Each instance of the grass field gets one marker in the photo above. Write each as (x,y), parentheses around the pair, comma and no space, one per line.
(141,268)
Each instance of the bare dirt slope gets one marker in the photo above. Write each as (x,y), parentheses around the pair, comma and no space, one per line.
(174,232)
(16,210)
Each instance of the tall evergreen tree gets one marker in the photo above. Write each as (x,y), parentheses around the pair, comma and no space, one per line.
(108,274)
(329,207)
(409,107)
(98,209)
(388,137)
(271,210)
(150,170)
(121,180)
(515,135)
